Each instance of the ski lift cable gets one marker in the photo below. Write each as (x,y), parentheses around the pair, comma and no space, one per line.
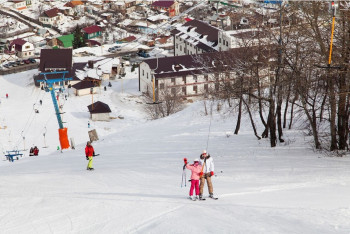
(30,119)
(44,129)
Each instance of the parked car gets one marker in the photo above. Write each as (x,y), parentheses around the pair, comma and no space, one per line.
(13,64)
(126,57)
(21,62)
(6,65)
(27,61)
(143,54)
(32,60)
(111,50)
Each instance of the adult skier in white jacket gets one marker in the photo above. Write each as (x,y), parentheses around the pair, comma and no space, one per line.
(208,171)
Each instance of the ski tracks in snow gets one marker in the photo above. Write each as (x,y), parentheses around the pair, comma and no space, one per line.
(273,189)
(150,222)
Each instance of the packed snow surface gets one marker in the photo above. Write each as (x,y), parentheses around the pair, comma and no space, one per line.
(136,184)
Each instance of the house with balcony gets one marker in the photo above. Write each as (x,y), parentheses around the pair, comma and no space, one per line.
(22,48)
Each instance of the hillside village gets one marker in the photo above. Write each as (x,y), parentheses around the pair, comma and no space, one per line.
(131,32)
(148,93)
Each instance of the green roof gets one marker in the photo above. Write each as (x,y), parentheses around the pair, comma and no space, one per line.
(67,40)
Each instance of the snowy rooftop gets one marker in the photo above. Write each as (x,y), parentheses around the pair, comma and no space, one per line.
(100,67)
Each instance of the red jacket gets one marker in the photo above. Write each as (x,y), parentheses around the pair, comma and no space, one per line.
(89,151)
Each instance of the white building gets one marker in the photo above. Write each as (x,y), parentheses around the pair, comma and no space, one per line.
(22,48)
(51,17)
(20,5)
(196,75)
(99,111)
(184,75)
(241,38)
(195,37)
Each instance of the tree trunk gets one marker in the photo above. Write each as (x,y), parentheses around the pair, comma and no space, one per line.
(279,120)
(333,112)
(342,115)
(322,107)
(252,121)
(261,108)
(292,111)
(286,109)
(272,124)
(238,125)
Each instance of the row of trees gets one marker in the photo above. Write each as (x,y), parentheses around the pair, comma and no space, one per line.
(280,71)
(280,68)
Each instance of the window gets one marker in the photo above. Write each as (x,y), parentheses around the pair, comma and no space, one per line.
(177,46)
(184,79)
(206,87)
(195,78)
(226,43)
(180,48)
(206,77)
(147,75)
(219,40)
(143,72)
(217,86)
(195,88)
(184,90)
(161,86)
(27,47)
(173,80)
(185,50)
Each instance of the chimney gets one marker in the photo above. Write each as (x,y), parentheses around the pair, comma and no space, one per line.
(91,64)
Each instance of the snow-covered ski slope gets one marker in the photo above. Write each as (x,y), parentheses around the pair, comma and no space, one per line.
(136,184)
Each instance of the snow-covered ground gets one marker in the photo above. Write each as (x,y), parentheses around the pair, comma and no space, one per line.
(136,184)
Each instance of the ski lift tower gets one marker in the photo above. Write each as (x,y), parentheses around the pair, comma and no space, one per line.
(49,87)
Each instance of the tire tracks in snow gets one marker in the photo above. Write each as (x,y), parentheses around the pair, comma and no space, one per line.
(148,222)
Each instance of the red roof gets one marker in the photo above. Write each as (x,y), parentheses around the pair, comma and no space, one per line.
(165,4)
(129,39)
(18,44)
(187,19)
(18,41)
(92,29)
(52,13)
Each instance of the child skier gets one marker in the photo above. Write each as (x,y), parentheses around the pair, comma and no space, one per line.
(196,168)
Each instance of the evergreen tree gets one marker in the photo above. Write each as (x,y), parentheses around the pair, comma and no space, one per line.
(79,40)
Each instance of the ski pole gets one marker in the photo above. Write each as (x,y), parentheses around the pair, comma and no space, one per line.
(184,172)
(183,177)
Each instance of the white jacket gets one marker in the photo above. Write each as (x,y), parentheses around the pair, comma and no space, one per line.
(209,165)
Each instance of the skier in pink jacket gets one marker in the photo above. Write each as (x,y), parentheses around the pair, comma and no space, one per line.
(196,169)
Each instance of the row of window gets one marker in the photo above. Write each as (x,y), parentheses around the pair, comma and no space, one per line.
(184,89)
(225,42)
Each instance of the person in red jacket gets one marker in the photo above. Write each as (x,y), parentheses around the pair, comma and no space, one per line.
(89,153)
(36,151)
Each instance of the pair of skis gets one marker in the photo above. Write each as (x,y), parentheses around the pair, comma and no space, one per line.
(202,199)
